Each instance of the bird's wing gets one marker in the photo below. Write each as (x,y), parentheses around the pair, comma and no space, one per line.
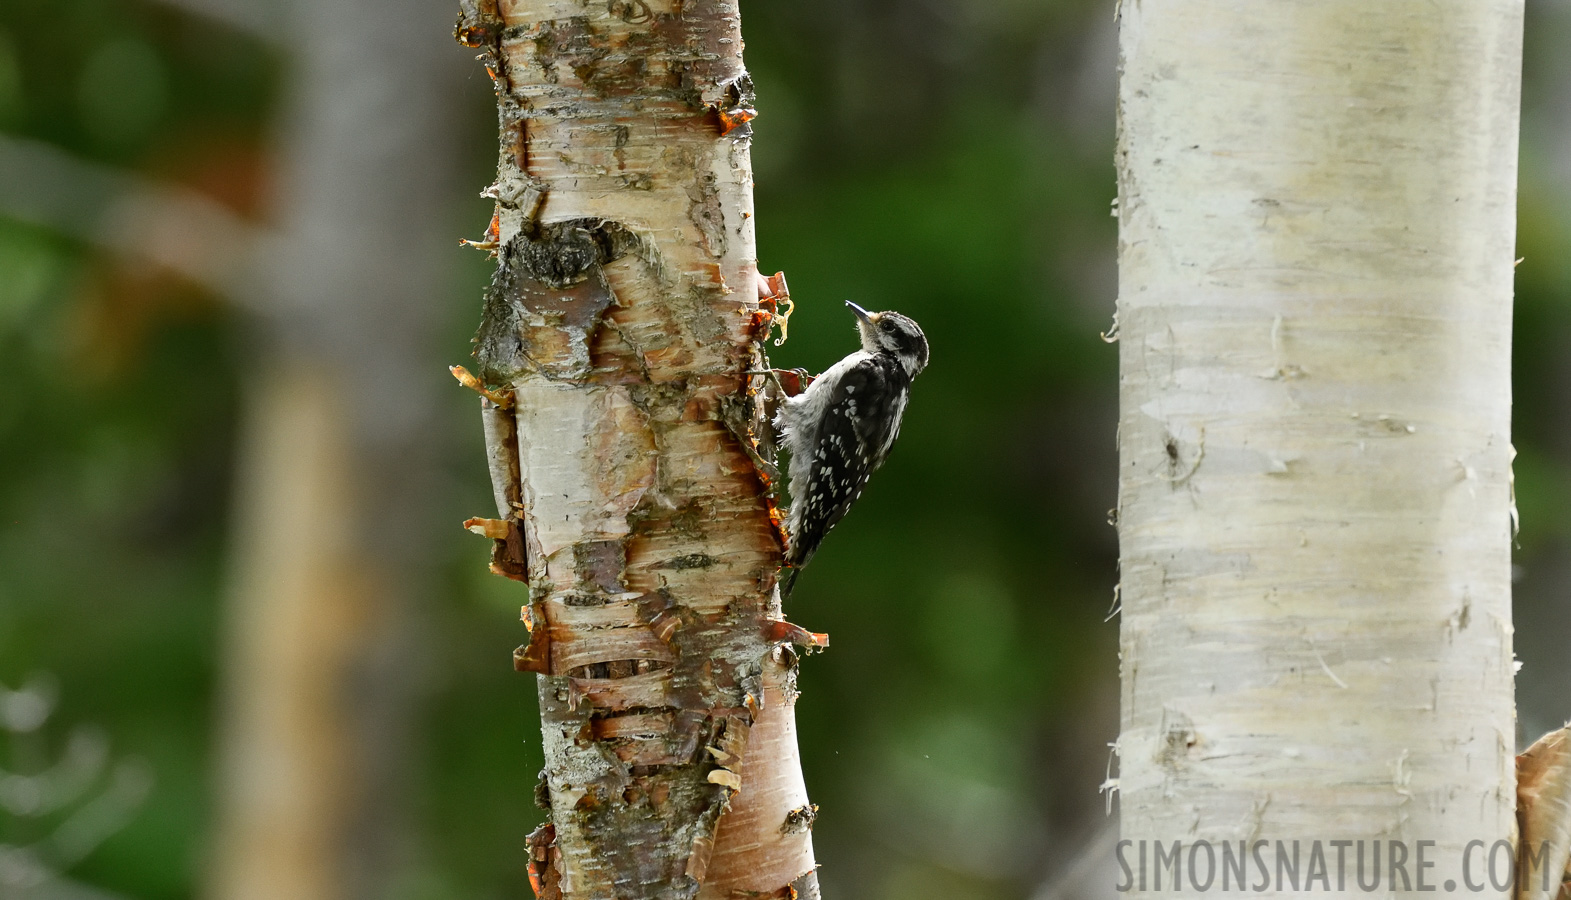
(854,435)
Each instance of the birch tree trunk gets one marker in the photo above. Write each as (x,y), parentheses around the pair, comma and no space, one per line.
(335,545)
(617,331)
(1317,225)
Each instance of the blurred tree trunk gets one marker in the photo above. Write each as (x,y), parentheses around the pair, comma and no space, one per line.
(336,528)
(1317,229)
(622,318)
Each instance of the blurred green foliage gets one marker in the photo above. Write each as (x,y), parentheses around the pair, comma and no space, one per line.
(117,401)
(951,161)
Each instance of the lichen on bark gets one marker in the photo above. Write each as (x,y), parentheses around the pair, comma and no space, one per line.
(618,336)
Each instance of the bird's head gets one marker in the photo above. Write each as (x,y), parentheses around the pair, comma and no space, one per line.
(892,334)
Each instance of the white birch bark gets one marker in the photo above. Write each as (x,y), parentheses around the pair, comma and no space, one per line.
(1317,227)
(617,331)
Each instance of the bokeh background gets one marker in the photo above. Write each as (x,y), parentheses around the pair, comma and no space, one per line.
(232,464)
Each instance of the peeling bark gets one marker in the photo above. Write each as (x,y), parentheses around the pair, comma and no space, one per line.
(1543,814)
(621,426)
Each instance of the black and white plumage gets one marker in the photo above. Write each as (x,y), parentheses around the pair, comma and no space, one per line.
(841,428)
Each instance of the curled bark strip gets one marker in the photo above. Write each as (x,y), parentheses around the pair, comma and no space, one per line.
(1544,816)
(633,692)
(502,400)
(544,877)
(665,625)
(698,859)
(730,744)
(501,443)
(508,557)
(736,107)
(781,631)
(495,529)
(536,655)
(598,648)
(738,117)
(633,725)
(648,754)
(479,24)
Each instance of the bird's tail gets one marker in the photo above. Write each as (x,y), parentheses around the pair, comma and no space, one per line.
(788,580)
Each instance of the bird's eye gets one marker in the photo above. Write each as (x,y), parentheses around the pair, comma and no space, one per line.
(886,325)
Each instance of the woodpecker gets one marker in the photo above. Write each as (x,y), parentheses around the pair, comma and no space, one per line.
(841,428)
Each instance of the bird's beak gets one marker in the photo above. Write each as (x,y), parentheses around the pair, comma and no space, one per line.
(860,313)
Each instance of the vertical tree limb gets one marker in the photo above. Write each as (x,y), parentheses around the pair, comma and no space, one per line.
(340,475)
(620,324)
(1317,227)
(300,604)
